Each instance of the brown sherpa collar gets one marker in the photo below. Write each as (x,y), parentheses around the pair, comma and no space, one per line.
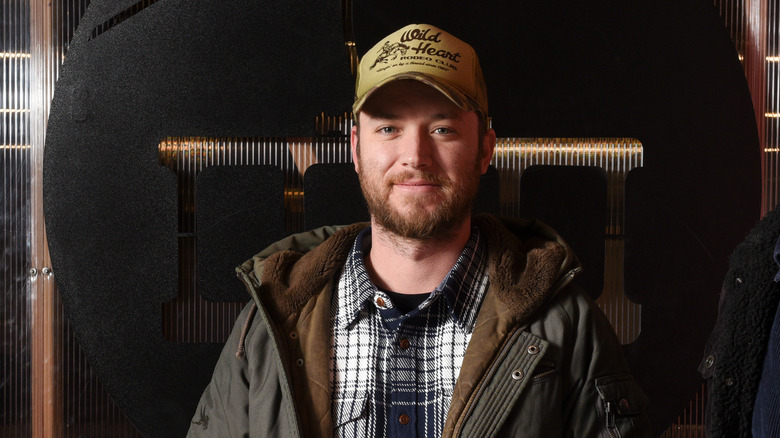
(526,260)
(290,278)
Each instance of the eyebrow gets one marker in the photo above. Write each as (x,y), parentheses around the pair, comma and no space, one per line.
(445,116)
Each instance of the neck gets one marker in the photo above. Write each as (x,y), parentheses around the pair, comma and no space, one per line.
(410,266)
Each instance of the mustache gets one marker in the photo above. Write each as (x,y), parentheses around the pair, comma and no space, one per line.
(427,177)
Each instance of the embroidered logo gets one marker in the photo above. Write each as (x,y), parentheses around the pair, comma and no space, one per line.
(390,52)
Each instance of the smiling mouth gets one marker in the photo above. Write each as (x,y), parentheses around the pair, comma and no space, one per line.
(417,183)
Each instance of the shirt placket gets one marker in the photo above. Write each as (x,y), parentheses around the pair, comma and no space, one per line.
(401,390)
(402,409)
(407,394)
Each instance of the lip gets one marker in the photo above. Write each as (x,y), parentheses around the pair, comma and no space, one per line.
(416,183)
(416,186)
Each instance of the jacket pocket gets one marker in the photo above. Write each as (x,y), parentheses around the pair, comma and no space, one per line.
(545,370)
(622,404)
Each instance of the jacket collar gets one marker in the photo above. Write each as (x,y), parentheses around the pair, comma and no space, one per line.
(526,259)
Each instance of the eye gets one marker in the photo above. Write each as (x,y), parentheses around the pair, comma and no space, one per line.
(387,130)
(443,130)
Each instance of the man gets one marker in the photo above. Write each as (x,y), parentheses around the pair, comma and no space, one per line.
(428,322)
(742,356)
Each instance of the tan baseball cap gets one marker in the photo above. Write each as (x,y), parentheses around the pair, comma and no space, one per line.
(427,54)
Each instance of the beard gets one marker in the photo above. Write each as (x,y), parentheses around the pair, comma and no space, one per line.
(452,203)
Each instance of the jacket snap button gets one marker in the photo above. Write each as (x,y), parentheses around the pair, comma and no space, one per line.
(739,280)
(404,419)
(518,374)
(294,335)
(709,361)
(299,362)
(624,405)
(533,349)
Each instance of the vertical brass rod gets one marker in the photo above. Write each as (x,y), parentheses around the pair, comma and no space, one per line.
(46,388)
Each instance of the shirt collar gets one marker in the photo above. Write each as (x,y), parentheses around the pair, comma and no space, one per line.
(355,289)
(462,287)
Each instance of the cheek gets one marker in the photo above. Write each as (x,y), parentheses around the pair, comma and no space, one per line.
(370,170)
(376,160)
(463,163)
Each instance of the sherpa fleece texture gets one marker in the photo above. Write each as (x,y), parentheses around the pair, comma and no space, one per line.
(734,356)
(291,278)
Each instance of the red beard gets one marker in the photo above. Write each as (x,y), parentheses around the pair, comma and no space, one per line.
(452,203)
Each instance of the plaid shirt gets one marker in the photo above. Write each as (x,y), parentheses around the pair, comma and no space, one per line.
(392,375)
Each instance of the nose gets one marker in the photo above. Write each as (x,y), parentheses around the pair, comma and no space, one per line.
(417,150)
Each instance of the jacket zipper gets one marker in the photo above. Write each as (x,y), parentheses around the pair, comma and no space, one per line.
(253,293)
(609,409)
(492,370)
(562,282)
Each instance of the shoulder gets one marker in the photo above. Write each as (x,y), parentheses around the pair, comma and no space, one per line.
(298,243)
(573,313)
(577,304)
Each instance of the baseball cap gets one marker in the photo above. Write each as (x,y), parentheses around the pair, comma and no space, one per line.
(427,54)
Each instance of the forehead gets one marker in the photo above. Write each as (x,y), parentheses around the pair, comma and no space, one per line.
(410,98)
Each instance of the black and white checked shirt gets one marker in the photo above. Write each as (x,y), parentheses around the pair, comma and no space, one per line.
(392,375)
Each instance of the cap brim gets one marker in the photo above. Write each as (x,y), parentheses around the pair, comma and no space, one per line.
(450,92)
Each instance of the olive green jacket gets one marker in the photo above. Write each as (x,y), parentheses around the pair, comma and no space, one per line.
(543,361)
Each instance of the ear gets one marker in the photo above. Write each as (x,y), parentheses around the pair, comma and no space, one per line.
(353,139)
(488,147)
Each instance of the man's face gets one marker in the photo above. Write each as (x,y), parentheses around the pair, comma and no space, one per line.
(419,159)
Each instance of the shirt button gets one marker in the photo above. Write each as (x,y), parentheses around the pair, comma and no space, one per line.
(404,419)
(380,302)
(404,344)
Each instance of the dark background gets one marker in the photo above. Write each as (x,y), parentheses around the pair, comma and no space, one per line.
(663,72)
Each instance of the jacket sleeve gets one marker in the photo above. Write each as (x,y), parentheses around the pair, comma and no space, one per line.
(222,409)
(605,399)
(247,395)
